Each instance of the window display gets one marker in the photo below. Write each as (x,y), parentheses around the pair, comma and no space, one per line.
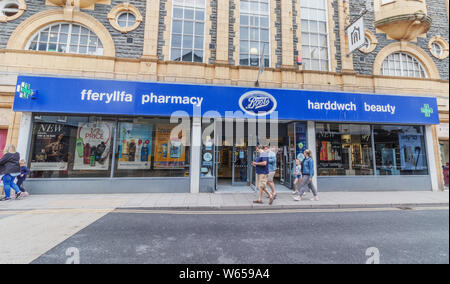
(50,147)
(93,146)
(71,146)
(344,149)
(135,145)
(149,148)
(80,147)
(400,150)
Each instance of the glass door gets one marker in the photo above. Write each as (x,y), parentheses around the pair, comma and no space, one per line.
(240,166)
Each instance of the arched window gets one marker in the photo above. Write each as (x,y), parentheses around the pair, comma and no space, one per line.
(66,38)
(403,64)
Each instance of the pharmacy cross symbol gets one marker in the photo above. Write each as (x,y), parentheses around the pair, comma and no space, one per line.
(426,110)
(25,91)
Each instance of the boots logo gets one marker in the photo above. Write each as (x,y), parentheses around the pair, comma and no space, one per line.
(258,103)
(24,90)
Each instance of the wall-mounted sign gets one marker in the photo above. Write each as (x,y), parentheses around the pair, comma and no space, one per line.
(109,97)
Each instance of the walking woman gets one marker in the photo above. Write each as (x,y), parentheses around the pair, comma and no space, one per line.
(9,169)
(307,175)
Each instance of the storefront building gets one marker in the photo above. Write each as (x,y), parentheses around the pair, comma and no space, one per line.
(154,137)
(152,95)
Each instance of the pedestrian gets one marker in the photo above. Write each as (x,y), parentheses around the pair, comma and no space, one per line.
(262,172)
(307,175)
(272,169)
(297,174)
(24,172)
(9,170)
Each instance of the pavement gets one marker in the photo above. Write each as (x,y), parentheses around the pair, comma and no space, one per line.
(228,201)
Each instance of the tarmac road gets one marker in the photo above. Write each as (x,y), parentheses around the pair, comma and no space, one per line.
(283,237)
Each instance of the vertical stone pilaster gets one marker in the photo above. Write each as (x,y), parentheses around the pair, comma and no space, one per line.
(151,29)
(287,35)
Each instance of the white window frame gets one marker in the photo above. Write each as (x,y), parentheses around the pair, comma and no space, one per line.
(182,35)
(403,72)
(128,25)
(37,36)
(3,3)
(327,26)
(267,50)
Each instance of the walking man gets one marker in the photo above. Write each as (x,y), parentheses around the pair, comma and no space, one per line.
(262,172)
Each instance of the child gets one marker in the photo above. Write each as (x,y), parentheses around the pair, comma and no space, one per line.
(24,172)
(297,173)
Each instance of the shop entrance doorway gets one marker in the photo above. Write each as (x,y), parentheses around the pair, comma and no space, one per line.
(234,154)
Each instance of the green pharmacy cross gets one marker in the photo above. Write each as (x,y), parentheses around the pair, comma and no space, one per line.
(426,110)
(25,91)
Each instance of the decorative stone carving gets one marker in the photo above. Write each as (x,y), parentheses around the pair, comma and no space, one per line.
(402,19)
(81,4)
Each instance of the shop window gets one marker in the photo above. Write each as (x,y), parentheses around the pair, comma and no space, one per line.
(254,33)
(151,148)
(72,147)
(188,31)
(400,150)
(314,26)
(344,150)
(90,147)
(66,38)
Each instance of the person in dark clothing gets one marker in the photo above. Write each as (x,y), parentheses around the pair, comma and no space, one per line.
(24,172)
(9,169)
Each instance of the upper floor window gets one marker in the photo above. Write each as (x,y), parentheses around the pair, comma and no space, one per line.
(314,24)
(403,64)
(188,31)
(126,19)
(254,32)
(66,38)
(9,8)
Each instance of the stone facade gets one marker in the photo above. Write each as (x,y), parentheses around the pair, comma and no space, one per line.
(363,63)
(124,49)
(148,60)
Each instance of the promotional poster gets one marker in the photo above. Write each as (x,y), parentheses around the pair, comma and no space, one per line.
(93,146)
(411,152)
(135,146)
(170,153)
(51,147)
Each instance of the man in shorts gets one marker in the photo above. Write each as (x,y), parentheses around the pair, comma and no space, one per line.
(262,172)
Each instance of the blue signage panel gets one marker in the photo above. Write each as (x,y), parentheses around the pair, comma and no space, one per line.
(86,96)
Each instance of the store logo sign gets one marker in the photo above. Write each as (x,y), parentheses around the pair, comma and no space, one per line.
(24,90)
(258,103)
(427,110)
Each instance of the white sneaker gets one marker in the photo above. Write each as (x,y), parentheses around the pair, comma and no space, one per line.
(315,199)
(295,193)
(297,198)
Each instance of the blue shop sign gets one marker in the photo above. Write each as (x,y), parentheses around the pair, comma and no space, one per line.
(112,97)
